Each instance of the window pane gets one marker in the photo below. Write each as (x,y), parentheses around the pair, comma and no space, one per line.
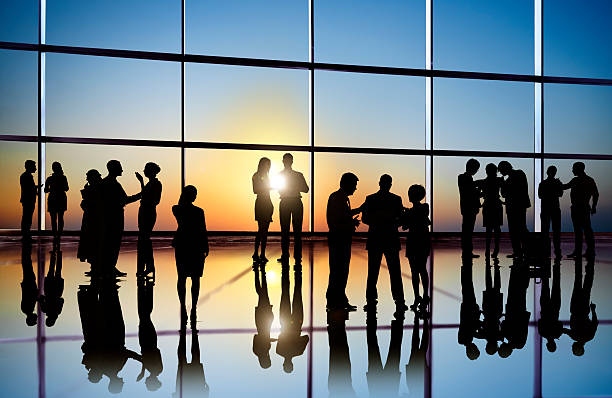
(147,25)
(577,119)
(254,29)
(19,21)
(600,170)
(483,115)
(246,104)
(223,180)
(18,92)
(12,158)
(112,98)
(447,216)
(389,33)
(329,167)
(362,110)
(77,159)
(577,38)
(484,36)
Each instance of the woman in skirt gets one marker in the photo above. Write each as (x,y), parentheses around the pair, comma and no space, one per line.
(263,208)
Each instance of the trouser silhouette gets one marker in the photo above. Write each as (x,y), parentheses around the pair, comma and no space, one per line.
(552,217)
(291,213)
(26,219)
(581,218)
(339,260)
(517,227)
(395,274)
(467,230)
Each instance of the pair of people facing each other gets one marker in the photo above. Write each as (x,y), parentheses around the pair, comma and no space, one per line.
(291,210)
(383,212)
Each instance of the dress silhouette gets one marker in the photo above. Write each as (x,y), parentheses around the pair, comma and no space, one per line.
(190,377)
(90,247)
(263,208)
(339,381)
(582,328)
(52,302)
(29,190)
(262,342)
(515,190)
(469,202)
(549,192)
(515,325)
(492,307)
(57,186)
(418,367)
(549,325)
(384,381)
(29,289)
(418,244)
(147,336)
(584,197)
(469,315)
(150,196)
(291,210)
(190,248)
(341,227)
(492,208)
(381,211)
(291,343)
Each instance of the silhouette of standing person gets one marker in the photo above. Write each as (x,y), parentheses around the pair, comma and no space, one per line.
(469,313)
(549,325)
(91,224)
(492,307)
(583,189)
(515,190)
(291,343)
(147,336)
(29,290)
(190,249)
(469,202)
(382,211)
(515,325)
(492,209)
(341,227)
(417,366)
(339,380)
(549,191)
(150,196)
(263,208)
(291,209)
(57,202)
(262,342)
(190,377)
(52,302)
(418,245)
(384,381)
(114,199)
(582,329)
(29,190)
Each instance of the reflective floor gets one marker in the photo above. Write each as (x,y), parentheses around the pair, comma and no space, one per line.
(134,327)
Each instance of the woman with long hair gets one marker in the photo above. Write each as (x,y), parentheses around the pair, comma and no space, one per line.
(263,208)
(150,197)
(492,209)
(57,185)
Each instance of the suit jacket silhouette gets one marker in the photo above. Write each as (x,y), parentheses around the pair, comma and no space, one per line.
(28,189)
(469,197)
(382,211)
(516,190)
(339,215)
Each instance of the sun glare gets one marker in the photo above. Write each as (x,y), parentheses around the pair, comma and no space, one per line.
(277,182)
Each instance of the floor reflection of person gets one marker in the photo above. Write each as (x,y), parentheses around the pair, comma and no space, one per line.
(469,315)
(384,380)
(56,186)
(52,302)
(147,336)
(150,196)
(291,343)
(190,377)
(262,342)
(263,208)
(582,328)
(89,249)
(417,367)
(291,209)
(492,307)
(549,325)
(515,325)
(339,380)
(29,289)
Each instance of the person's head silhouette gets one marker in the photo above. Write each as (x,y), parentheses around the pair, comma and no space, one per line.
(188,194)
(288,365)
(551,171)
(57,168)
(264,165)
(472,166)
(504,350)
(551,345)
(151,170)
(578,168)
(30,166)
(31,319)
(115,385)
(385,182)
(472,351)
(94,375)
(348,183)
(153,383)
(578,348)
(114,168)
(491,347)
(504,167)
(264,361)
(93,176)
(491,170)
(416,193)
(288,160)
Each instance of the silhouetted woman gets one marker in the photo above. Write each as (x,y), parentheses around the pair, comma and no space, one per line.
(263,207)
(492,210)
(262,342)
(147,215)
(92,217)
(191,248)
(418,243)
(57,185)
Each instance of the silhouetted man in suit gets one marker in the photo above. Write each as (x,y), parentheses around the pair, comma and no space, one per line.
(52,302)
(469,315)
(341,227)
(29,290)
(291,209)
(516,192)
(382,211)
(582,329)
(384,381)
(549,325)
(583,189)
(469,202)
(515,325)
(492,307)
(549,191)
(29,190)
(339,381)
